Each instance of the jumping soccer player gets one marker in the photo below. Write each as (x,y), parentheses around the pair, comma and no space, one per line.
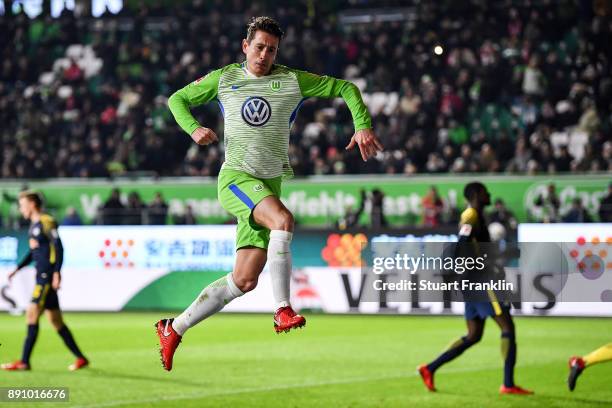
(47,251)
(473,229)
(259,101)
(578,364)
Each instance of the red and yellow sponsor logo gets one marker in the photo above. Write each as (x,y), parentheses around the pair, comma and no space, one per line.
(592,255)
(344,250)
(115,253)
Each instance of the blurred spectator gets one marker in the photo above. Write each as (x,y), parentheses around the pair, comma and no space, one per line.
(522,156)
(577,213)
(135,210)
(453,215)
(435,163)
(564,160)
(432,208)
(487,160)
(504,216)
(112,209)
(72,217)
(158,210)
(605,207)
(73,73)
(377,215)
(549,203)
(533,78)
(351,216)
(188,218)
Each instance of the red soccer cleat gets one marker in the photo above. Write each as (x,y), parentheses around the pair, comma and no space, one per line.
(516,390)
(80,362)
(168,342)
(16,366)
(286,319)
(576,365)
(428,377)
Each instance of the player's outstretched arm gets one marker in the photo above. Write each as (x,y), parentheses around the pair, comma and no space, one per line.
(329,87)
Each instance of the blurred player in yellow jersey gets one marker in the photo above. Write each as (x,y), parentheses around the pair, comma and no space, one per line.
(578,364)
(47,252)
(473,229)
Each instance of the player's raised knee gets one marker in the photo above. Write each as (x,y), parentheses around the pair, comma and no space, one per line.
(474,338)
(283,221)
(245,284)
(56,322)
(32,314)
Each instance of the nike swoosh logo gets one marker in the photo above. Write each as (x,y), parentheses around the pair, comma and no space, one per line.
(281,253)
(166,332)
(234,87)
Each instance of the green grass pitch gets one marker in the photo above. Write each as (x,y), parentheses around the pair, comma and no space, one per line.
(336,361)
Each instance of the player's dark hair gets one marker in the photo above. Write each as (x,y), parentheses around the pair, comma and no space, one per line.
(266,24)
(34,197)
(472,189)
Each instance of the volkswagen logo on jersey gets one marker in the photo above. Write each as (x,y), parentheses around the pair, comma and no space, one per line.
(256,111)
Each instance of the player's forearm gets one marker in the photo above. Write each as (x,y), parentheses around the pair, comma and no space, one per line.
(59,256)
(25,261)
(359,111)
(179,106)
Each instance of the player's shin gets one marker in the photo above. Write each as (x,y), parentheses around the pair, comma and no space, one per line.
(599,356)
(279,262)
(28,344)
(66,335)
(508,348)
(453,351)
(211,300)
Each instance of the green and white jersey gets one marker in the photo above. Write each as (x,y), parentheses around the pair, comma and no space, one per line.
(259,111)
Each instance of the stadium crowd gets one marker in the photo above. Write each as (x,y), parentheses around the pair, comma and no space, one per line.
(471,86)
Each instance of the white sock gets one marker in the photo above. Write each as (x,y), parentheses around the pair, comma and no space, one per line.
(210,301)
(279,261)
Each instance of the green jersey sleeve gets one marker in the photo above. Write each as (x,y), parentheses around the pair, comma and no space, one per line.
(196,93)
(329,87)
